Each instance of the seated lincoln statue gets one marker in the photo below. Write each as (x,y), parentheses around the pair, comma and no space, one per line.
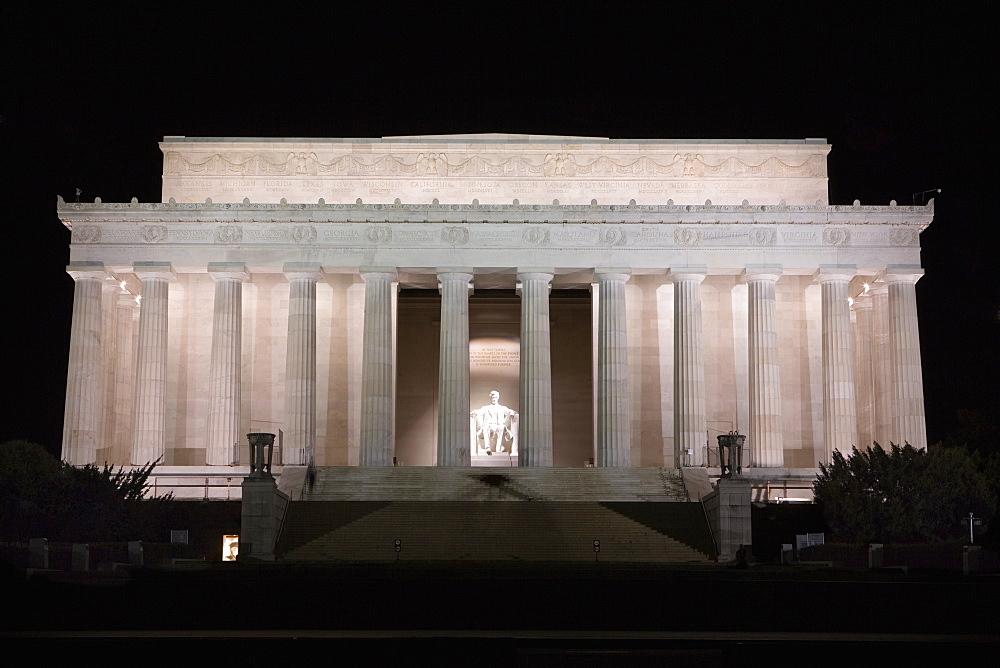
(495,427)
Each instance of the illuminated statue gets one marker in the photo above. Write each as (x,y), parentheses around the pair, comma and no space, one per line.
(494,426)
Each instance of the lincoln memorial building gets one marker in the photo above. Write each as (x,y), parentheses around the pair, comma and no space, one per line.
(625,301)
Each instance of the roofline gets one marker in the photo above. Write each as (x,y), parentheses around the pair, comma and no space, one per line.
(496,138)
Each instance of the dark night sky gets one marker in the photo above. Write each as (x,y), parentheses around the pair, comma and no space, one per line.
(903,98)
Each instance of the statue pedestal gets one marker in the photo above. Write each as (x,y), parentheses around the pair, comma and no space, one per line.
(504,459)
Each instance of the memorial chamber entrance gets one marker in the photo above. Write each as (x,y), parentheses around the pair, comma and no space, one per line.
(494,364)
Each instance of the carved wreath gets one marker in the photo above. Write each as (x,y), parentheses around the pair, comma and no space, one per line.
(229,234)
(153,234)
(612,236)
(536,236)
(687,236)
(455,236)
(762,236)
(87,234)
(380,234)
(902,236)
(836,236)
(304,234)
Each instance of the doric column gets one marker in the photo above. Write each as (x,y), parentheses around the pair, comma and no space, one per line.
(126,315)
(689,368)
(765,437)
(614,436)
(908,422)
(150,404)
(864,379)
(840,425)
(535,426)
(224,375)
(453,374)
(300,362)
(109,343)
(378,370)
(881,368)
(81,421)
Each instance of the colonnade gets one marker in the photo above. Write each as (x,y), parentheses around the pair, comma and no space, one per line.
(890,391)
(872,385)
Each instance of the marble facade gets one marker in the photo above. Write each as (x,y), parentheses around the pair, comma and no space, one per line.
(659,292)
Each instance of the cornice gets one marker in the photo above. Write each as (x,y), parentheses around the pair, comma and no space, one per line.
(618,214)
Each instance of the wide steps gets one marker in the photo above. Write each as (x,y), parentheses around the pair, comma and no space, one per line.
(475,531)
(419,483)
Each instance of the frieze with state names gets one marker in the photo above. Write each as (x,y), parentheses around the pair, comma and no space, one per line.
(416,244)
(511,235)
(349,234)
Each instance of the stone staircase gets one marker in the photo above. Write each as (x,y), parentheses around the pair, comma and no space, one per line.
(553,531)
(439,483)
(466,514)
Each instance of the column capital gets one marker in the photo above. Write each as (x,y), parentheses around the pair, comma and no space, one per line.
(878,289)
(602,274)
(524,274)
(302,271)
(385,273)
(80,270)
(549,271)
(153,270)
(444,271)
(456,274)
(835,272)
(902,273)
(695,272)
(761,272)
(228,270)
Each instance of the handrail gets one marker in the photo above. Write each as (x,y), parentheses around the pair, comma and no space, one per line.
(711,532)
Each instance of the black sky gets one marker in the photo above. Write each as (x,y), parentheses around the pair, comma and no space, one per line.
(906,100)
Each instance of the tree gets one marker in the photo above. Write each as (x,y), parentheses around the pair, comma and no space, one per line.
(903,495)
(41,497)
(29,480)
